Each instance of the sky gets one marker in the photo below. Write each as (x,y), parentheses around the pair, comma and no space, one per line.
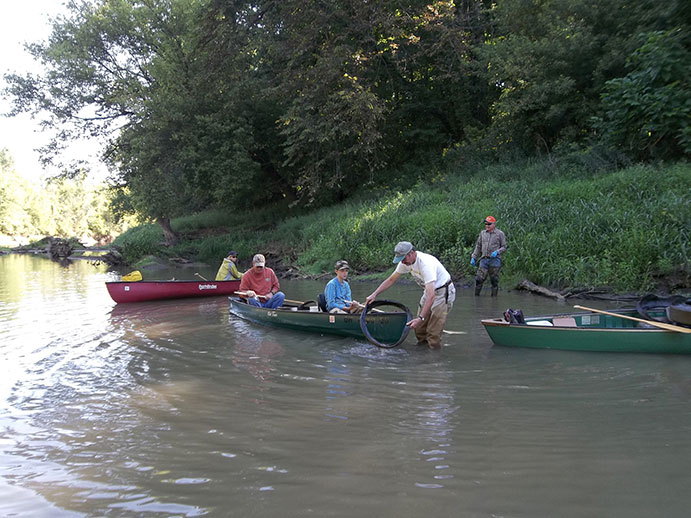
(22,22)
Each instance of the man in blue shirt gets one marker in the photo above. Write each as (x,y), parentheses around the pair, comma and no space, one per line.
(337,292)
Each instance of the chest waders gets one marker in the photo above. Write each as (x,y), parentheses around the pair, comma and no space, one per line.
(491,267)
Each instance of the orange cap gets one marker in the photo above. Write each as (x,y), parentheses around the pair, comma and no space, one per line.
(490,219)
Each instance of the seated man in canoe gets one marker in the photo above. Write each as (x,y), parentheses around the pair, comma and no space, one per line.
(260,285)
(337,292)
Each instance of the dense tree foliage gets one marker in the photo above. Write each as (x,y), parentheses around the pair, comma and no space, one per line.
(648,111)
(232,103)
(64,207)
(554,59)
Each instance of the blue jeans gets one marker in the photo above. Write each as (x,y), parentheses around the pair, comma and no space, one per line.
(274,302)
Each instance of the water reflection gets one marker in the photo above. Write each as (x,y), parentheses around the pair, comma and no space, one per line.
(177,409)
(254,350)
(338,383)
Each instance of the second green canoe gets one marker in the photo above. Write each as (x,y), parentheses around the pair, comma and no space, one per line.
(588,332)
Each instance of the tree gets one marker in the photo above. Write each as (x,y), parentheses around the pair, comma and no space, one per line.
(132,72)
(65,207)
(374,84)
(231,103)
(551,59)
(647,112)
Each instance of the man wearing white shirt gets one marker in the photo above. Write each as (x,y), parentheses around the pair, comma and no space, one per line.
(437,298)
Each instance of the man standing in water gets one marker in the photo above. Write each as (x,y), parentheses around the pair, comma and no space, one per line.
(491,243)
(437,297)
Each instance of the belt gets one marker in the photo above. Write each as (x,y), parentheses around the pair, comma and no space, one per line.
(445,286)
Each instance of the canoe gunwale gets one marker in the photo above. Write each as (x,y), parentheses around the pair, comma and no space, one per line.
(341,324)
(588,338)
(502,322)
(144,291)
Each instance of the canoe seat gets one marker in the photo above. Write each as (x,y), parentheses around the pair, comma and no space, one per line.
(564,321)
(322,302)
(545,323)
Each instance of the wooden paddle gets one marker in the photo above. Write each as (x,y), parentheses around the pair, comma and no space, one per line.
(669,327)
(201,277)
(246,294)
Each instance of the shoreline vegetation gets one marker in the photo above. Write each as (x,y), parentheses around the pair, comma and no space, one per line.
(573,231)
(244,128)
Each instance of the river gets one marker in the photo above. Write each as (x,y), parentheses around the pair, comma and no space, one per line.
(176,409)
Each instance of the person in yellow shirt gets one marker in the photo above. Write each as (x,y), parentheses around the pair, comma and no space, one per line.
(228,271)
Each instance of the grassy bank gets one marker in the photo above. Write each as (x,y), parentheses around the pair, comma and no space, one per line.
(566,227)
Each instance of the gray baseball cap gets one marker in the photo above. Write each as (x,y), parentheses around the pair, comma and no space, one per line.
(402,249)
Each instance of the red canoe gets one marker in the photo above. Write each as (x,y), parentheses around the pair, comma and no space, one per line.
(141,291)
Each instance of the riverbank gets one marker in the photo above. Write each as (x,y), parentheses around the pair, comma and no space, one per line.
(151,264)
(569,228)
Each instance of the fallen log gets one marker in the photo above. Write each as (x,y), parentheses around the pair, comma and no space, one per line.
(540,290)
(113,258)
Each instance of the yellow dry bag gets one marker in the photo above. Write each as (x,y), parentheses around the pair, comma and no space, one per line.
(132,276)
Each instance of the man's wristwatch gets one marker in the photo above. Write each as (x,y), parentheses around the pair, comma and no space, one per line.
(421,318)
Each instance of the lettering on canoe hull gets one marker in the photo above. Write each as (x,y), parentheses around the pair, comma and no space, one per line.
(207,287)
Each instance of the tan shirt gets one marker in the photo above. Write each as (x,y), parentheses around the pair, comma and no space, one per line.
(488,242)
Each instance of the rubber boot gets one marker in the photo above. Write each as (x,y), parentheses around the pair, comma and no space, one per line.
(495,291)
(478,289)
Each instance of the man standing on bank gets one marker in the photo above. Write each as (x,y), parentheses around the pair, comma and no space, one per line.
(491,243)
(437,298)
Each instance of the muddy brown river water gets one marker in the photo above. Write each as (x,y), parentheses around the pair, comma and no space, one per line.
(175,408)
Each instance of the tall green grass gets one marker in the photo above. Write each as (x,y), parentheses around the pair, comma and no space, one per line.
(620,229)
(138,242)
(567,225)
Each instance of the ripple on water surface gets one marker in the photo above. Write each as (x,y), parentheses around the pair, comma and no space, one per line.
(176,408)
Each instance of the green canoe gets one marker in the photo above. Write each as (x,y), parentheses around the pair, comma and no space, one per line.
(588,332)
(383,328)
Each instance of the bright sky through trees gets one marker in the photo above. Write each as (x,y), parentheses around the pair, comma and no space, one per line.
(27,22)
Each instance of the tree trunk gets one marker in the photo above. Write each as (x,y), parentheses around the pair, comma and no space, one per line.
(171,238)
